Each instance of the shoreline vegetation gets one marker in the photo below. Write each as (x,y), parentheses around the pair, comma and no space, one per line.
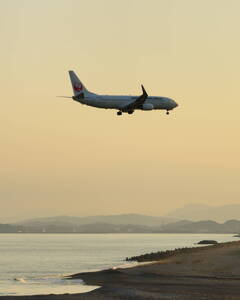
(209,272)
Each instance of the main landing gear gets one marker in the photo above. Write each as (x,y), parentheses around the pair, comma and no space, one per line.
(119,113)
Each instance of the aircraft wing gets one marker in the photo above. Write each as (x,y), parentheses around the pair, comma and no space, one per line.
(137,103)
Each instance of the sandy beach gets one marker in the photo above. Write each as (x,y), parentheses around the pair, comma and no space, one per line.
(211,272)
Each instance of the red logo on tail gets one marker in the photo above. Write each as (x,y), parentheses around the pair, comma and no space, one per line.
(78,87)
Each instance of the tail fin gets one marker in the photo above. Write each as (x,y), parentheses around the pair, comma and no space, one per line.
(77,85)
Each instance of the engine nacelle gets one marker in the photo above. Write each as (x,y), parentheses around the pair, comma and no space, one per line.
(147,106)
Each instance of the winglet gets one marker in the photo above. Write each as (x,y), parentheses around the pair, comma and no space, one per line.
(144,91)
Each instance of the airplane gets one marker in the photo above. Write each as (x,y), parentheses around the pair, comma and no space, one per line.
(124,104)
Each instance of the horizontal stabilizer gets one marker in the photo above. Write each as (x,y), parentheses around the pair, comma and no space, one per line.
(64,97)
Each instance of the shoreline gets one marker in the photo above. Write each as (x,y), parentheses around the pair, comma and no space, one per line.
(209,272)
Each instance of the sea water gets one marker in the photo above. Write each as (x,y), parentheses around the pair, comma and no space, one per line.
(33,264)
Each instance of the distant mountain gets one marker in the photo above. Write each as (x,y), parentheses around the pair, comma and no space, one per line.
(113,228)
(124,219)
(8,228)
(134,223)
(86,228)
(197,212)
(231,226)
(172,227)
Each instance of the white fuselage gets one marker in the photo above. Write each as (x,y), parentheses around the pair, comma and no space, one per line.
(124,104)
(118,102)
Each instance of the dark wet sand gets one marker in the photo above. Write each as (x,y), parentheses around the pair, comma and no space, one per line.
(204,273)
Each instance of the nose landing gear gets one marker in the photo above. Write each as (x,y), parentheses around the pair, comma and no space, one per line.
(167,112)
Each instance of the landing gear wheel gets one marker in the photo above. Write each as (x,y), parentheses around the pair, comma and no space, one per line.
(167,112)
(130,112)
(119,113)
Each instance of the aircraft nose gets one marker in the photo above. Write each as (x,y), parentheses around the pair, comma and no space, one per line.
(174,103)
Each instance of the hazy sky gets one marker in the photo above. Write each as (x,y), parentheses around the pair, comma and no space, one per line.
(60,157)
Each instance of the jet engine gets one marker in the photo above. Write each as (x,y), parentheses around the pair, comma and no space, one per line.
(147,106)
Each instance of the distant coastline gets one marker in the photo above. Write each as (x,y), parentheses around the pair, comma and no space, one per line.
(191,218)
(185,226)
